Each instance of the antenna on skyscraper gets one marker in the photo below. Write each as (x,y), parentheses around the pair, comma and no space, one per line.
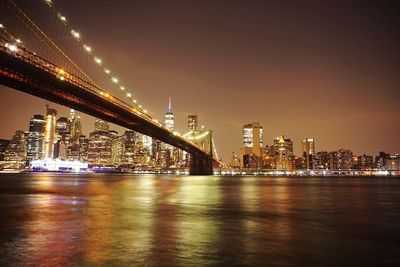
(169,105)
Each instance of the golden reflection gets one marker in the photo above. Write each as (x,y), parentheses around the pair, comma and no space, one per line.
(198,224)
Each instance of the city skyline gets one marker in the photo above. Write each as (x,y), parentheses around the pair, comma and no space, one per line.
(316,79)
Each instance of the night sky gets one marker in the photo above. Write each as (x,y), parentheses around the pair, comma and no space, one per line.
(322,69)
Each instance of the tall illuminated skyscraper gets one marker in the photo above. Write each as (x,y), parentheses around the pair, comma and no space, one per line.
(169,116)
(50,136)
(35,138)
(307,151)
(74,127)
(252,139)
(283,153)
(15,155)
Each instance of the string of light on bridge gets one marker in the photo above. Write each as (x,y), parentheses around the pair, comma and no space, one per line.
(17,43)
(89,50)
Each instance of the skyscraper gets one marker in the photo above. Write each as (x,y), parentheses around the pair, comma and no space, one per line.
(99,148)
(83,148)
(341,159)
(74,127)
(100,125)
(169,116)
(35,143)
(192,122)
(50,133)
(307,151)
(252,139)
(61,125)
(15,155)
(129,147)
(283,153)
(3,147)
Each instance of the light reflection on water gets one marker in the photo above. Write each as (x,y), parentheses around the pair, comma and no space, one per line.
(125,220)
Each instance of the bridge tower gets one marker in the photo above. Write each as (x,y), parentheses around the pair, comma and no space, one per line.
(202,164)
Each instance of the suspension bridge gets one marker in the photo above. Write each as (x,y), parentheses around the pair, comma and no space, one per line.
(36,63)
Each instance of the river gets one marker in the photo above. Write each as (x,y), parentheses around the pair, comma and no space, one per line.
(51,219)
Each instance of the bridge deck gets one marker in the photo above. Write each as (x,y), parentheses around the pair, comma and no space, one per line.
(24,74)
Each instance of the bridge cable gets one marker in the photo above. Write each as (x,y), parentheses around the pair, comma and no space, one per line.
(89,51)
(37,31)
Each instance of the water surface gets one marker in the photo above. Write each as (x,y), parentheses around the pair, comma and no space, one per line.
(128,220)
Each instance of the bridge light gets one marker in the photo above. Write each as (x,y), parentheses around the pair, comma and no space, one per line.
(87,48)
(145,111)
(101,93)
(12,48)
(18,41)
(107,71)
(1,26)
(134,101)
(75,34)
(176,134)
(62,78)
(97,60)
(61,71)
(128,94)
(122,88)
(61,17)
(140,106)
(115,80)
(48,2)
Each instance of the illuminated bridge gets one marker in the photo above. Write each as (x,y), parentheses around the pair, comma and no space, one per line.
(25,70)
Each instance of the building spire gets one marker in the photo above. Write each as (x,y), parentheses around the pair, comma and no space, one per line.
(169,105)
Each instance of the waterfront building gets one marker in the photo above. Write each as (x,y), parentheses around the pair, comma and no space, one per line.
(341,159)
(321,160)
(57,165)
(284,159)
(3,147)
(364,162)
(307,152)
(99,148)
(381,160)
(252,161)
(50,136)
(15,154)
(393,163)
(252,142)
(35,143)
(192,122)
